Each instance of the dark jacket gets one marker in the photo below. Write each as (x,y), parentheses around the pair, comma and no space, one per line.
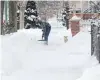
(46,28)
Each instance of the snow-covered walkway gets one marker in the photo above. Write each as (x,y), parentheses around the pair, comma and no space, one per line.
(24,58)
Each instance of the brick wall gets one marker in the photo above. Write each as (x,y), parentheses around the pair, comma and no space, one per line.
(75,28)
(84,15)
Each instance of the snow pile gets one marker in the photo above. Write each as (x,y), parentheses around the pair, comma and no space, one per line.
(24,58)
(81,43)
(79,50)
(91,74)
(14,47)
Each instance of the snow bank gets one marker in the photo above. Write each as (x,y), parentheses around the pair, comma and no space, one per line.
(14,46)
(23,57)
(81,43)
(0,58)
(91,74)
(78,49)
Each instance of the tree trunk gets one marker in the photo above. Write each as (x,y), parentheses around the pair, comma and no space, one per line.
(13,15)
(22,17)
(99,47)
(0,16)
(22,9)
(2,10)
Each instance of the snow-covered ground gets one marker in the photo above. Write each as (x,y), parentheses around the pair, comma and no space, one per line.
(92,73)
(25,58)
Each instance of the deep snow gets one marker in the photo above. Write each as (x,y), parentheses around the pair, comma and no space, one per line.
(92,73)
(25,58)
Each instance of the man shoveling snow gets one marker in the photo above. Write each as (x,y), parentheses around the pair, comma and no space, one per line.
(46,28)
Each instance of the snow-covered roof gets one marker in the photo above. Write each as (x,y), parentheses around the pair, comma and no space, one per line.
(75,18)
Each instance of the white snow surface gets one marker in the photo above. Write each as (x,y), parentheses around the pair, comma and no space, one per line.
(92,73)
(25,58)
